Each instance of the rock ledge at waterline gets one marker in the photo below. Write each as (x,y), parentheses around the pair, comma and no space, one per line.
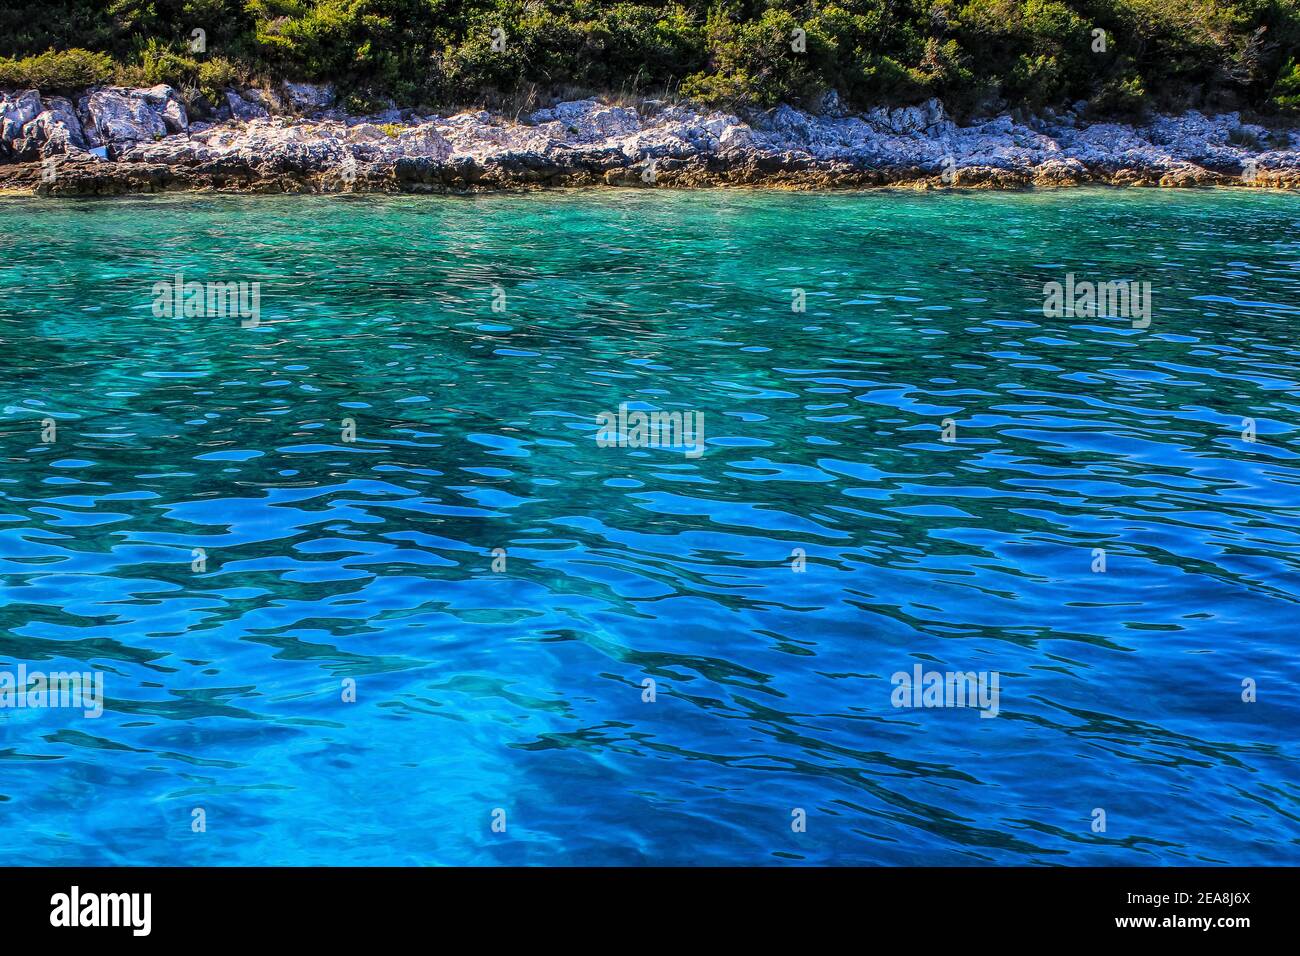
(114,140)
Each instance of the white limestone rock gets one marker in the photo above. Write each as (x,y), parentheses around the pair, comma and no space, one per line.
(308,97)
(56,129)
(122,118)
(246,106)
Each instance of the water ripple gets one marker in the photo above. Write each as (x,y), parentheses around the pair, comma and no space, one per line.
(948,462)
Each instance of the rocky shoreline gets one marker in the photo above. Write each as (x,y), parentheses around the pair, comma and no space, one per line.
(114,140)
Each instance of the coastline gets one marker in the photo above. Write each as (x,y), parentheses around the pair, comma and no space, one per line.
(111,141)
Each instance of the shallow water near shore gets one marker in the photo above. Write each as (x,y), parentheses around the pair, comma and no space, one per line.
(522,690)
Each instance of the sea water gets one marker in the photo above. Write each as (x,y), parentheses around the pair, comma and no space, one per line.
(364,587)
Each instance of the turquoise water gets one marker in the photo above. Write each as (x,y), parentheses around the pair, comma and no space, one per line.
(521,690)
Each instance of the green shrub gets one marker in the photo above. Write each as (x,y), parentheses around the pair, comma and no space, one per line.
(57,71)
(755,63)
(158,63)
(1286,91)
(215,75)
(736,53)
(1123,96)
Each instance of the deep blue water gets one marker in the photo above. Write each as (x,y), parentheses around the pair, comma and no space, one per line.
(330,560)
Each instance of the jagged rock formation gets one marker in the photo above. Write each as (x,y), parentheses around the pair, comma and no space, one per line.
(123,140)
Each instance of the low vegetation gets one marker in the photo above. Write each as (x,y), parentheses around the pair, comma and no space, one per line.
(1123,56)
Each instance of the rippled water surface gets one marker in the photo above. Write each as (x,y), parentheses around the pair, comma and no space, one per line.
(372,560)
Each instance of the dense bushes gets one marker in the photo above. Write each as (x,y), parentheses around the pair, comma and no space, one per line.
(58,72)
(1122,55)
(1286,93)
